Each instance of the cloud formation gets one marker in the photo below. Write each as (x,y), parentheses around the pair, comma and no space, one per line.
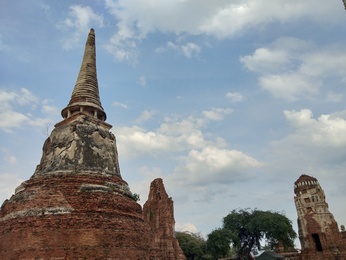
(173,135)
(315,144)
(219,19)
(293,69)
(235,97)
(212,165)
(80,19)
(324,132)
(189,49)
(17,108)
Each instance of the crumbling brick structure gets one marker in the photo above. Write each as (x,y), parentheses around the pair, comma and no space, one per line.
(318,231)
(158,211)
(76,205)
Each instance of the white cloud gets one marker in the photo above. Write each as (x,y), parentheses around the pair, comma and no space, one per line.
(313,142)
(235,97)
(293,69)
(24,97)
(122,46)
(80,19)
(173,135)
(48,109)
(17,108)
(142,81)
(9,118)
(325,131)
(290,86)
(118,104)
(217,114)
(299,119)
(220,19)
(145,116)
(265,59)
(186,227)
(214,165)
(8,157)
(190,49)
(133,141)
(330,132)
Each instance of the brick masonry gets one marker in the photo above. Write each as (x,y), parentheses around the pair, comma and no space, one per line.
(158,211)
(318,232)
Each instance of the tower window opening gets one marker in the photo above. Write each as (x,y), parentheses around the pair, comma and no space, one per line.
(317,241)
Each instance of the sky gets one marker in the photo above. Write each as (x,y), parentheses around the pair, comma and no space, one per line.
(227,101)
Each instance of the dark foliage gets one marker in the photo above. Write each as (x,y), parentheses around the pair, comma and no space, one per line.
(193,245)
(249,227)
(218,243)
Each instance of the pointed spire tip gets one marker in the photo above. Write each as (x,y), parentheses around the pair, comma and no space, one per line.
(85,96)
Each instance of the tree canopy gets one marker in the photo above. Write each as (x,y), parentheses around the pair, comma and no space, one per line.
(249,227)
(218,243)
(193,245)
(242,232)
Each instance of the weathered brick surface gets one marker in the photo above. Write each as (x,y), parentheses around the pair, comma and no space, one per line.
(158,211)
(318,232)
(53,216)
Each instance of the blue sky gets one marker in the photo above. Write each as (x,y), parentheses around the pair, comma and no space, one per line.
(228,101)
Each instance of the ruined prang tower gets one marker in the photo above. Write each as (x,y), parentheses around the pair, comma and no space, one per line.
(318,232)
(76,204)
(158,211)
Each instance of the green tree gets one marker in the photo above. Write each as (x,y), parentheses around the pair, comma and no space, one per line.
(249,227)
(218,243)
(193,245)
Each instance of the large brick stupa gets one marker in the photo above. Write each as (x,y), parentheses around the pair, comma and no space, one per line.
(76,204)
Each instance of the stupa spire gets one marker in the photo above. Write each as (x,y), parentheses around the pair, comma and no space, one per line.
(85,97)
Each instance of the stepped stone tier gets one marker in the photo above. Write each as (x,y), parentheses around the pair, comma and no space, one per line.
(318,231)
(76,204)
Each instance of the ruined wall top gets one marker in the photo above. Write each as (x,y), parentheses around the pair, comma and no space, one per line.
(305,182)
(158,211)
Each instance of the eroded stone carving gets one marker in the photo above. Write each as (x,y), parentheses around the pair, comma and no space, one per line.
(79,146)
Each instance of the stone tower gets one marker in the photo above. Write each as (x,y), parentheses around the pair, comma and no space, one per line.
(76,204)
(317,229)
